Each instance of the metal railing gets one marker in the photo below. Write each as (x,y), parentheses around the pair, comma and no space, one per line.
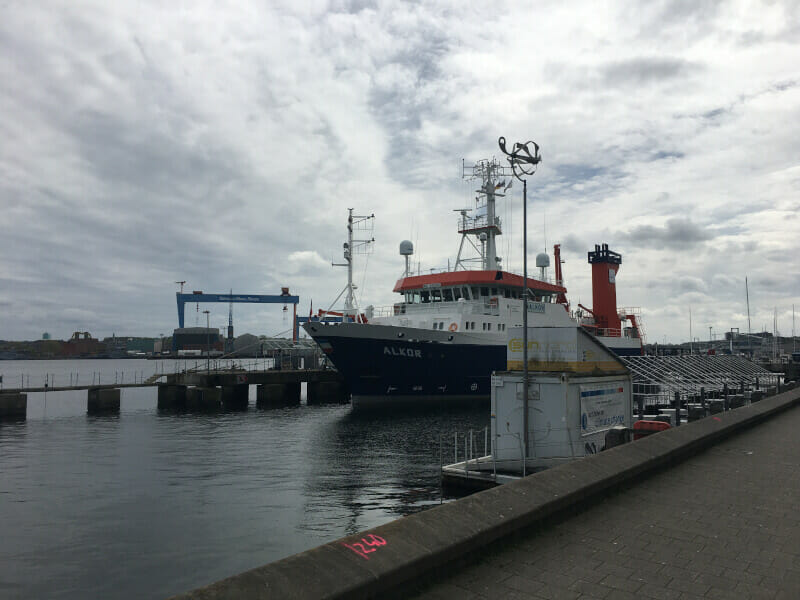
(656,379)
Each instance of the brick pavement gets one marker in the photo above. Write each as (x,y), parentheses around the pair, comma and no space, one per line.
(723,524)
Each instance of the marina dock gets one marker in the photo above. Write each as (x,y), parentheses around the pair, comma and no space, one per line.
(706,510)
(200,389)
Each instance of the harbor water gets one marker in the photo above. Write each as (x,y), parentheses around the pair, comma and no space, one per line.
(148,503)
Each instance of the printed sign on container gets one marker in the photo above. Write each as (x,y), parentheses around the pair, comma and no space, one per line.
(602,406)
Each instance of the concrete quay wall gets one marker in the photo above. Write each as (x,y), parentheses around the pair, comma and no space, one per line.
(375,562)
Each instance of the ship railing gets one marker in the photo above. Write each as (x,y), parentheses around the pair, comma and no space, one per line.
(472,307)
(608,332)
(471,450)
(468,224)
(486,308)
(411,309)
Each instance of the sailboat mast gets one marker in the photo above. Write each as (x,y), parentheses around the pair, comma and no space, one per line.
(747,296)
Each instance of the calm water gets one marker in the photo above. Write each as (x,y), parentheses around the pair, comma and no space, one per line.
(147,504)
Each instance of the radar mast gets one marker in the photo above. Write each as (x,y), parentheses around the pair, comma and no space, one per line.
(483,223)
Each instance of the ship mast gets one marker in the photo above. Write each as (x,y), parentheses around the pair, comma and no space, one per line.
(483,223)
(350,247)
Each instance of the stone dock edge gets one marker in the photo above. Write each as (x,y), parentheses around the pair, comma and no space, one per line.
(374,562)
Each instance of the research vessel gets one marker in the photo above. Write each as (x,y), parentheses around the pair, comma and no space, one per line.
(449,331)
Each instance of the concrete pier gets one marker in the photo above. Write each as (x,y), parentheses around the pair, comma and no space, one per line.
(203,398)
(235,397)
(13,406)
(327,392)
(706,510)
(277,395)
(101,401)
(171,396)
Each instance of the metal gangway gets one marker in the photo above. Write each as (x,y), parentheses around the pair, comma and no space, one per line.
(659,380)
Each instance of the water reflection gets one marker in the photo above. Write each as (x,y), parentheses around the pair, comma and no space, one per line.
(366,468)
(149,503)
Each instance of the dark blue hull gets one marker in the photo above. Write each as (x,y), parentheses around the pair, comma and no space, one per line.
(388,371)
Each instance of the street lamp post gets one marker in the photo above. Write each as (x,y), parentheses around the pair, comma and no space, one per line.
(208,342)
(523,164)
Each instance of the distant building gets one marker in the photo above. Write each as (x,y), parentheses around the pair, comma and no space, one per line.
(197,338)
(82,344)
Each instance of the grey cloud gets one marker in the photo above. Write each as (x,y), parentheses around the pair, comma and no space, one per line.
(574,245)
(677,233)
(665,154)
(713,114)
(576,173)
(688,18)
(639,71)
(687,284)
(768,282)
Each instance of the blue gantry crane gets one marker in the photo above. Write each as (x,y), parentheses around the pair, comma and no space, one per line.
(198,296)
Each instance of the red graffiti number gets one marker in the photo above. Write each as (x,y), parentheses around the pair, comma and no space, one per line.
(366,545)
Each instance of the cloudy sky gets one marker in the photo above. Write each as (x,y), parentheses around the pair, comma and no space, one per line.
(222,143)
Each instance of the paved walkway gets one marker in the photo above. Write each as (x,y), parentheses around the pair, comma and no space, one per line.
(723,524)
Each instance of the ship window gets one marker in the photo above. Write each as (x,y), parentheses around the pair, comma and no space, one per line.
(488,327)
(484,326)
(456,293)
(475,293)
(484,291)
(494,291)
(425,297)
(448,295)
(436,295)
(465,292)
(506,293)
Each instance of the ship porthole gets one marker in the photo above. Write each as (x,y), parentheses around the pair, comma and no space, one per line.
(449,338)
(400,334)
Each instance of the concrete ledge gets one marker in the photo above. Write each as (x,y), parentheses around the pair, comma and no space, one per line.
(375,562)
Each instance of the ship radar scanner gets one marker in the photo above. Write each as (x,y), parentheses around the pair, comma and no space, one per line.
(542,262)
(406,249)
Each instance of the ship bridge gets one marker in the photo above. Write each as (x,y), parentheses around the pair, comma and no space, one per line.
(451,286)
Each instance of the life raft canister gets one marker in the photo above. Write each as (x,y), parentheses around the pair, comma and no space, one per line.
(453,327)
(648,427)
